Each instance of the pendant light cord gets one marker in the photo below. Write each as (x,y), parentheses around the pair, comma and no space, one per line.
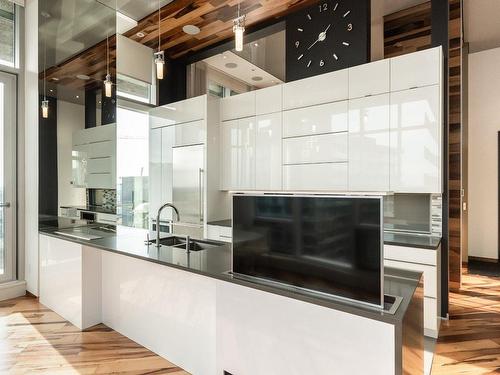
(44,66)
(159,27)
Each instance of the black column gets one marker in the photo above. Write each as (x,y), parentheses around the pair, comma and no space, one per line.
(47,160)
(172,87)
(90,108)
(440,37)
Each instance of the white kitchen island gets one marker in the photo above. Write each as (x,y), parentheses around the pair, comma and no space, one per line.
(186,309)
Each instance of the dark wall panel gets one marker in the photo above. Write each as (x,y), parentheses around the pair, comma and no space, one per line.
(47,168)
(172,87)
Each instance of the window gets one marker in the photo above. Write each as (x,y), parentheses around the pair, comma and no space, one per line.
(7,33)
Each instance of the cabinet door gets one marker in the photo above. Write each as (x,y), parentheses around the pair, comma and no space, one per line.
(324,88)
(369,151)
(416,137)
(246,154)
(238,106)
(188,110)
(325,148)
(155,167)
(268,100)
(190,133)
(369,79)
(268,152)
(79,157)
(229,154)
(167,144)
(320,177)
(319,119)
(418,69)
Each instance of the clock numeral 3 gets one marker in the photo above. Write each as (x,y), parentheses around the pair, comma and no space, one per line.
(321,63)
(323,7)
(349,27)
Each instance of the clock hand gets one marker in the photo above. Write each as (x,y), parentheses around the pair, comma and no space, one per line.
(321,36)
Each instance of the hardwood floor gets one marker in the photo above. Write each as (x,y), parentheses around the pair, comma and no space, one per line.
(35,340)
(469,343)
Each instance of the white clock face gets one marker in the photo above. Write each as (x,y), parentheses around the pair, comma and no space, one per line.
(323,36)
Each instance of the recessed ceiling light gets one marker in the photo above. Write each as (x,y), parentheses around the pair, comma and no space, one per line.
(83,77)
(191,29)
(231,65)
(257,78)
(140,34)
(99,102)
(224,56)
(78,96)
(55,79)
(256,44)
(51,90)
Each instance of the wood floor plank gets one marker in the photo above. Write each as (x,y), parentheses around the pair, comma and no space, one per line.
(36,340)
(469,342)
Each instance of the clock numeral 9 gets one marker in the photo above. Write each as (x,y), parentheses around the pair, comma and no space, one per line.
(349,27)
(323,7)
(297,44)
(321,63)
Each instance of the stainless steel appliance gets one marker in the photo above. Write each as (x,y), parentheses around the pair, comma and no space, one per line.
(188,187)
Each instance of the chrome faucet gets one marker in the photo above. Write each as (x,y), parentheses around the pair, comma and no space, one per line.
(158,220)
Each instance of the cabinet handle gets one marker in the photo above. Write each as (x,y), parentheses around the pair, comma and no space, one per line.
(200,187)
(5,205)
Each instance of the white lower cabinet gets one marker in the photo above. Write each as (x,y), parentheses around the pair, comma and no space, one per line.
(324,177)
(416,140)
(369,149)
(70,280)
(219,233)
(428,262)
(268,159)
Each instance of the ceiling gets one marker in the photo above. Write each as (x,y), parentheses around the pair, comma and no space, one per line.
(392,6)
(135,9)
(482,24)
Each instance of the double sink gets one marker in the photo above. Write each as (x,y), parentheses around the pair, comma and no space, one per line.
(181,243)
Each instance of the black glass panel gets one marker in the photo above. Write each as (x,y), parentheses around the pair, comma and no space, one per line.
(326,244)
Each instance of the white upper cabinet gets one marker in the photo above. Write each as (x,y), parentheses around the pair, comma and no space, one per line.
(238,106)
(268,159)
(246,155)
(315,177)
(155,185)
(416,138)
(325,88)
(188,110)
(229,154)
(419,69)
(369,79)
(369,150)
(190,133)
(326,148)
(269,100)
(321,119)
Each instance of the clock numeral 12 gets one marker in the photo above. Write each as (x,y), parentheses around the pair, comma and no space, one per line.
(323,7)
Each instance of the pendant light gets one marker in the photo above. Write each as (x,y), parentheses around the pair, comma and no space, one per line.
(239,29)
(45,102)
(159,57)
(108,84)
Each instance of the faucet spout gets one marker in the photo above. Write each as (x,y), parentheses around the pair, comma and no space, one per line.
(158,220)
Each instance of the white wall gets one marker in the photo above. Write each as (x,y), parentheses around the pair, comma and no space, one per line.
(30,214)
(70,118)
(484,125)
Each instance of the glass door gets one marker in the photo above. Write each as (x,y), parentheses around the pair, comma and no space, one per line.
(8,94)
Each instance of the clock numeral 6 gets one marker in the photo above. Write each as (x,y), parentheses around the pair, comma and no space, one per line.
(349,27)
(297,44)
(321,63)
(323,7)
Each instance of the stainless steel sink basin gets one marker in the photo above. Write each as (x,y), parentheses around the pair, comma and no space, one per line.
(180,243)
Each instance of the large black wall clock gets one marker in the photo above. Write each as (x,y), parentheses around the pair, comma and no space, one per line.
(331,35)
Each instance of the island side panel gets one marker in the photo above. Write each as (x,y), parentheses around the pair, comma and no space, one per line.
(261,333)
(168,311)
